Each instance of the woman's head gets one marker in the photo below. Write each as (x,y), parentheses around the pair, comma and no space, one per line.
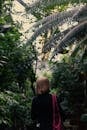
(42,85)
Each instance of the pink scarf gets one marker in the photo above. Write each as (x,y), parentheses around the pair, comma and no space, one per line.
(57,122)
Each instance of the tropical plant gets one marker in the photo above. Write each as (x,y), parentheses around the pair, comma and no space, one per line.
(70,81)
(15,109)
(16,73)
(66,76)
(76,19)
(15,61)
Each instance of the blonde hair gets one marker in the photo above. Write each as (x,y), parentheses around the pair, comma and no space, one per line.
(42,85)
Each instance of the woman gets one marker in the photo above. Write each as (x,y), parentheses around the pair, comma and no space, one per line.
(42,107)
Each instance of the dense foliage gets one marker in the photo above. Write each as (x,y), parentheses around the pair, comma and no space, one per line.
(71,78)
(68,76)
(16,73)
(14,109)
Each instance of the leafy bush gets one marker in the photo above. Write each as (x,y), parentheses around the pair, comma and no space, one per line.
(14,109)
(69,78)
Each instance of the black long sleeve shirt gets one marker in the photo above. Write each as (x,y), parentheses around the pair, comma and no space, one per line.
(42,112)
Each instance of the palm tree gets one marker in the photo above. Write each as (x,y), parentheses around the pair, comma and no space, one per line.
(60,40)
(50,23)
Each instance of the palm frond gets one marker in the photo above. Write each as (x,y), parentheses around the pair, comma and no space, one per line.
(51,43)
(57,20)
(76,33)
(77,13)
(84,56)
(54,20)
(81,14)
(80,45)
